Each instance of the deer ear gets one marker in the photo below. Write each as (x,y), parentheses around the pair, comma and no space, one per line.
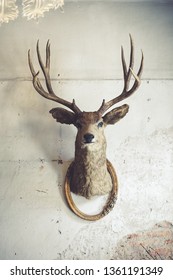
(116,114)
(63,116)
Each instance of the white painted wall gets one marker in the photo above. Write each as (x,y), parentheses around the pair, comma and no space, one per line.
(35,222)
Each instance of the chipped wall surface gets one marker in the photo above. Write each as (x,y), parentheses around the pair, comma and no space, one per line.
(35,151)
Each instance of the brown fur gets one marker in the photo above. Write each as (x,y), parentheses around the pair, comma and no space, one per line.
(90,176)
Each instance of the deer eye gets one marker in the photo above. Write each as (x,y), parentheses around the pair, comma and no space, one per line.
(100,124)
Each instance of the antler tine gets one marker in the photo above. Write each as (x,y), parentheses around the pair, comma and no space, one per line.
(123,62)
(127,74)
(30,63)
(45,69)
(137,76)
(46,72)
(36,82)
(48,54)
(127,77)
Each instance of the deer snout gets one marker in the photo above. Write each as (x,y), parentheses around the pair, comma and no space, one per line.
(88,137)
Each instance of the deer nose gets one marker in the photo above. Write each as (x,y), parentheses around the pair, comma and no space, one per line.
(88,137)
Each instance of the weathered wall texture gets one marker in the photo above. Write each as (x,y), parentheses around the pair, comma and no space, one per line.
(35,151)
(151,244)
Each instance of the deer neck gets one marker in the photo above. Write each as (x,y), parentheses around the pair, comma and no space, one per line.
(90,155)
(90,176)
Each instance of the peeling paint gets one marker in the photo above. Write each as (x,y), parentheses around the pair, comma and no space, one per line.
(155,244)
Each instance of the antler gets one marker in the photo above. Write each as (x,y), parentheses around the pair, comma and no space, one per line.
(127,77)
(46,71)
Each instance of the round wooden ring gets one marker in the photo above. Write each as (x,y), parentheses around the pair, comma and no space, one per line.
(110,202)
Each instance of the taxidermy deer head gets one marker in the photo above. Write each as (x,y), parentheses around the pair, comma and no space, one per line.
(89,175)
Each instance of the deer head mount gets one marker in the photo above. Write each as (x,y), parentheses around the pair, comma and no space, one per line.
(90,173)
